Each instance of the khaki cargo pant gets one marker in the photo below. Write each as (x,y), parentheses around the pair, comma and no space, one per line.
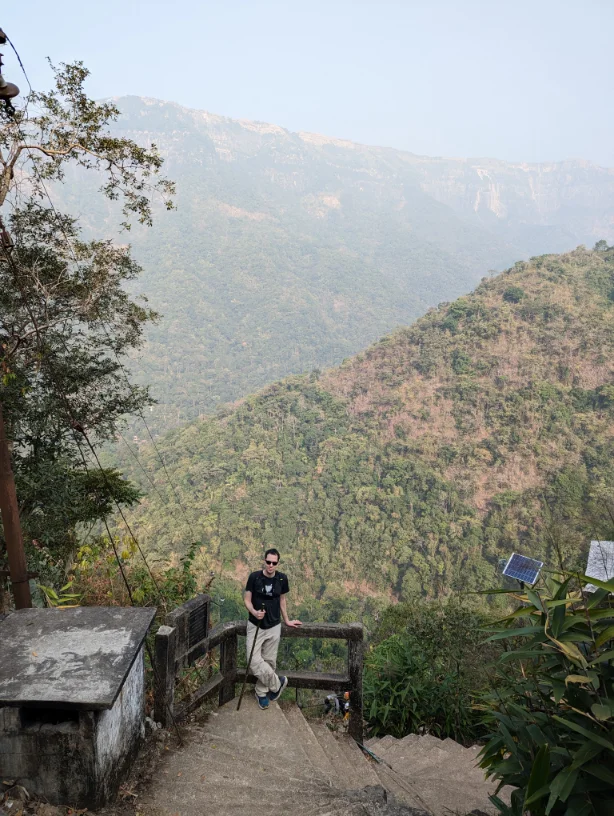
(264,658)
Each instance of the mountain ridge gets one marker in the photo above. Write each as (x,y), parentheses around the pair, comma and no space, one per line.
(290,253)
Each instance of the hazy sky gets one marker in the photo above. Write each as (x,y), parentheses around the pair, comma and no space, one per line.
(526,81)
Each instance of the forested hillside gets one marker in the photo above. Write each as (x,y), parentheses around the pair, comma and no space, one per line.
(486,427)
(289,252)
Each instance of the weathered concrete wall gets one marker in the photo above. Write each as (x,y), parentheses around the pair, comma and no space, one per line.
(119,732)
(50,753)
(76,758)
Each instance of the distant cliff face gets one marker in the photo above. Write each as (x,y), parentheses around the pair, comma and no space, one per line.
(291,251)
(573,198)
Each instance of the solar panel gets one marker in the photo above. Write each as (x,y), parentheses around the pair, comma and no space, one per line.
(600,562)
(522,568)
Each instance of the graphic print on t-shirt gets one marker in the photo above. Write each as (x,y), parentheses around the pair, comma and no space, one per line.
(266,593)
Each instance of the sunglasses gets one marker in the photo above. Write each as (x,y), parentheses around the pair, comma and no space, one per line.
(271,563)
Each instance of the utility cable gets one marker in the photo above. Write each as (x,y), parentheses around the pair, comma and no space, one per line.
(111,538)
(122,368)
(103,324)
(77,427)
(8,39)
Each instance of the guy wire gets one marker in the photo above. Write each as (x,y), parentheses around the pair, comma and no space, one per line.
(111,539)
(78,427)
(103,324)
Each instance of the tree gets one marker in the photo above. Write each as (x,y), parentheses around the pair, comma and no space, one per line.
(66,321)
(65,127)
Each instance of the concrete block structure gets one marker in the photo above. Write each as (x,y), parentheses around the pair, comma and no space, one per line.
(72,686)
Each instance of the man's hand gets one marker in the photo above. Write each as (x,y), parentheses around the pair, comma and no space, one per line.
(259,613)
(293,623)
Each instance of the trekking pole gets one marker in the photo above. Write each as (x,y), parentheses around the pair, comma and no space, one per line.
(249,664)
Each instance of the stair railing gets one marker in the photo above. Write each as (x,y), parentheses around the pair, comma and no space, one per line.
(186,637)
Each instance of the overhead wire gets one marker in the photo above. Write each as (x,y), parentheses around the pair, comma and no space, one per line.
(123,370)
(93,451)
(21,65)
(184,516)
(77,427)
(111,537)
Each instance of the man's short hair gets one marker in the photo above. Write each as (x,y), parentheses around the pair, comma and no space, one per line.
(273,551)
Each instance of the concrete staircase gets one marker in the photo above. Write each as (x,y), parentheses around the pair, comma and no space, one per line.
(277,762)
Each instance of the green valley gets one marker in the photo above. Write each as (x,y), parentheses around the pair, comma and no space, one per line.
(485,427)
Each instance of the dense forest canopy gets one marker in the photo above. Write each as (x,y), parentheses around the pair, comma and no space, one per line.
(485,427)
(289,252)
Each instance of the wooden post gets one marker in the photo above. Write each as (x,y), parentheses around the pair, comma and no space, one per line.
(164,681)
(9,509)
(355,664)
(228,667)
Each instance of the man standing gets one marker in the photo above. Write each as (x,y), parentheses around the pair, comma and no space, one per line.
(265,600)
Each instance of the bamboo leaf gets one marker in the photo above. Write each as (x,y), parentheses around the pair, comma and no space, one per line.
(601,772)
(585,732)
(561,786)
(597,597)
(507,633)
(604,636)
(535,600)
(558,620)
(577,678)
(607,585)
(572,652)
(584,754)
(537,786)
(606,656)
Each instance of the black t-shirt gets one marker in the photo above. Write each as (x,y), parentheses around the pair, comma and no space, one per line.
(266,593)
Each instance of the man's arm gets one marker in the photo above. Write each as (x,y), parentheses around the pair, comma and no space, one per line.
(247,600)
(284,613)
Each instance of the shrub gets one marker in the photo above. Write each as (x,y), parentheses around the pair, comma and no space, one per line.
(426,662)
(513,294)
(551,710)
(404,691)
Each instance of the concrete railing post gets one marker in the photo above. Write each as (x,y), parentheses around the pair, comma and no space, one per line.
(228,667)
(164,676)
(355,667)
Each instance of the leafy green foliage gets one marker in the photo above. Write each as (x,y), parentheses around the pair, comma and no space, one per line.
(425,664)
(404,691)
(513,294)
(67,322)
(411,469)
(551,709)
(63,127)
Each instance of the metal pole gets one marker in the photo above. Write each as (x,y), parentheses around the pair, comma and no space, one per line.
(12,528)
(249,662)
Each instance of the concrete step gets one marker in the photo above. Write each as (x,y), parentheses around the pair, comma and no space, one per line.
(415,761)
(402,790)
(314,750)
(454,747)
(386,743)
(346,776)
(267,732)
(239,755)
(364,767)
(214,765)
(401,747)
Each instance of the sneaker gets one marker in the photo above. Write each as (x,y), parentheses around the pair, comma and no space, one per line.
(275,695)
(263,702)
